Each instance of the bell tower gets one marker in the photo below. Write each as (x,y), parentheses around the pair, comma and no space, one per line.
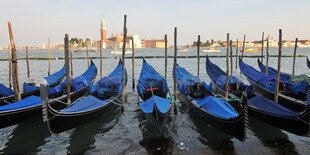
(103,30)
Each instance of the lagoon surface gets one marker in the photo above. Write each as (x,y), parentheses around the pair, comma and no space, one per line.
(129,132)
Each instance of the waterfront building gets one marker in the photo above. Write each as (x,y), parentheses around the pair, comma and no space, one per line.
(152,43)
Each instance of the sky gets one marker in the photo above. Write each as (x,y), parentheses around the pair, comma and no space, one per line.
(33,21)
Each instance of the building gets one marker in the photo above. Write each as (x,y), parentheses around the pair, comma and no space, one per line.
(152,43)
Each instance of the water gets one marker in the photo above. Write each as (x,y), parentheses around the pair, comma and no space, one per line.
(129,132)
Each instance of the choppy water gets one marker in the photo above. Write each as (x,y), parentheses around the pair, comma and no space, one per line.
(129,133)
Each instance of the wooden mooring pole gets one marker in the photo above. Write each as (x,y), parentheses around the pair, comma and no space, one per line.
(67,68)
(49,57)
(101,42)
(267,59)
(87,54)
(231,59)
(133,63)
(198,55)
(227,67)
(295,50)
(17,95)
(123,61)
(10,67)
(166,56)
(279,67)
(237,55)
(71,59)
(243,45)
(175,69)
(27,60)
(262,57)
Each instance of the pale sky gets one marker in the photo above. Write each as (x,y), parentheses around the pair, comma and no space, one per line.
(33,21)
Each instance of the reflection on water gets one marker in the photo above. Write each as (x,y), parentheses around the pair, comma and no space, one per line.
(82,138)
(212,137)
(272,137)
(27,137)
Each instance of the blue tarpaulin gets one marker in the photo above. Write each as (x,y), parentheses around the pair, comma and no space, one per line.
(88,103)
(218,76)
(162,104)
(56,76)
(217,107)
(273,108)
(5,91)
(148,77)
(28,88)
(269,81)
(24,103)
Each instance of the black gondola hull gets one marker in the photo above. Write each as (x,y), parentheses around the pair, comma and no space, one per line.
(8,118)
(286,101)
(234,127)
(299,127)
(158,119)
(59,122)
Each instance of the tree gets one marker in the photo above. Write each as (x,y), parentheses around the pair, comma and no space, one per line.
(81,43)
(207,43)
(87,42)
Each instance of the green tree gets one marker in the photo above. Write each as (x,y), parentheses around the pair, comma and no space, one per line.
(81,43)
(87,41)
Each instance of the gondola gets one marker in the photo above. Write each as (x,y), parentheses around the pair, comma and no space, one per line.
(15,112)
(52,81)
(271,71)
(153,89)
(265,85)
(104,98)
(261,108)
(308,63)
(226,115)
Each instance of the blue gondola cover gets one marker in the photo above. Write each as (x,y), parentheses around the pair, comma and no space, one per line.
(24,103)
(56,76)
(273,108)
(269,81)
(88,103)
(5,91)
(217,107)
(27,87)
(148,77)
(161,103)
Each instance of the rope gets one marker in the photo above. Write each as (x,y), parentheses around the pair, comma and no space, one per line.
(305,122)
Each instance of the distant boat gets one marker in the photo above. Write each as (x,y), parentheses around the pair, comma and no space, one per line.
(211,50)
(251,50)
(183,50)
(121,52)
(84,50)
